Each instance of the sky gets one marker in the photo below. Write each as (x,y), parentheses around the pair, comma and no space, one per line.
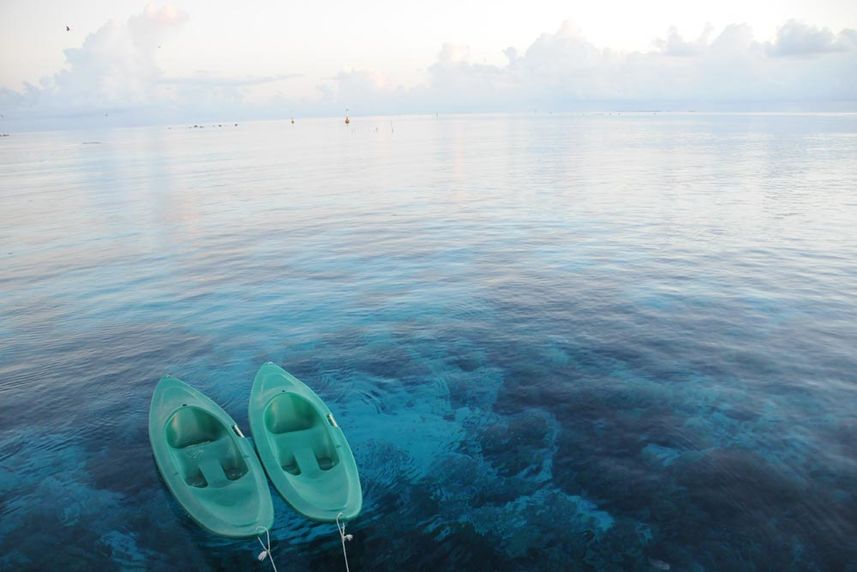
(196,60)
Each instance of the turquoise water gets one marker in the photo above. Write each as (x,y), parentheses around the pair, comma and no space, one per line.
(554,342)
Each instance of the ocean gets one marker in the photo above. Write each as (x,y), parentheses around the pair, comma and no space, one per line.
(553,341)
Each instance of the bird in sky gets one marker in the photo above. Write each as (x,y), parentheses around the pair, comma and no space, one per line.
(68,28)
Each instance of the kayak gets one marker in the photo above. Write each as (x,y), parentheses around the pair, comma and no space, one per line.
(207,463)
(302,448)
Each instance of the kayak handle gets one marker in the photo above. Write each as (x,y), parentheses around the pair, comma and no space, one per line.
(238,431)
(331,420)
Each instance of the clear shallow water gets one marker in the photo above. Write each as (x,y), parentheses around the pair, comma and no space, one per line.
(554,342)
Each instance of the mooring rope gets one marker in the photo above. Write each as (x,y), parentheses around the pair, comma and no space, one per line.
(266,549)
(344,538)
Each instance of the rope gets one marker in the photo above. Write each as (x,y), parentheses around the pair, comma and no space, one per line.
(344,538)
(266,549)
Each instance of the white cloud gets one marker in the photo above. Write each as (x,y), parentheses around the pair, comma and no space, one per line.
(732,69)
(803,66)
(115,66)
(564,71)
(675,45)
(800,40)
(115,72)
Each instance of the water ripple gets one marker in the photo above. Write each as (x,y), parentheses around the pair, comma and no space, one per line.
(576,342)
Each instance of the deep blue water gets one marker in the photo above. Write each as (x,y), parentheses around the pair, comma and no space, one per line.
(554,342)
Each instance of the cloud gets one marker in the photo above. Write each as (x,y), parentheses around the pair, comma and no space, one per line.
(115,72)
(803,67)
(115,66)
(797,39)
(206,80)
(564,71)
(675,45)
(204,92)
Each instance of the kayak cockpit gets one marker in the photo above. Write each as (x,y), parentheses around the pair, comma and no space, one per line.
(204,450)
(300,436)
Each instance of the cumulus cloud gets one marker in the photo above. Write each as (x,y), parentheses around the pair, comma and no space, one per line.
(115,71)
(798,39)
(675,45)
(564,71)
(803,67)
(115,66)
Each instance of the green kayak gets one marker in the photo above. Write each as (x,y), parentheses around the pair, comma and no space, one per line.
(302,448)
(207,463)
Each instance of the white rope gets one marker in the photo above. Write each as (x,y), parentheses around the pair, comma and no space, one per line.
(266,549)
(344,538)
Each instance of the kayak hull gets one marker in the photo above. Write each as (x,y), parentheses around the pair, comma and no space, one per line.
(205,461)
(302,448)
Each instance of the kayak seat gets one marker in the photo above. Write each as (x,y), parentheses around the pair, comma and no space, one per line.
(212,471)
(204,451)
(306,452)
(289,412)
(300,436)
(307,461)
